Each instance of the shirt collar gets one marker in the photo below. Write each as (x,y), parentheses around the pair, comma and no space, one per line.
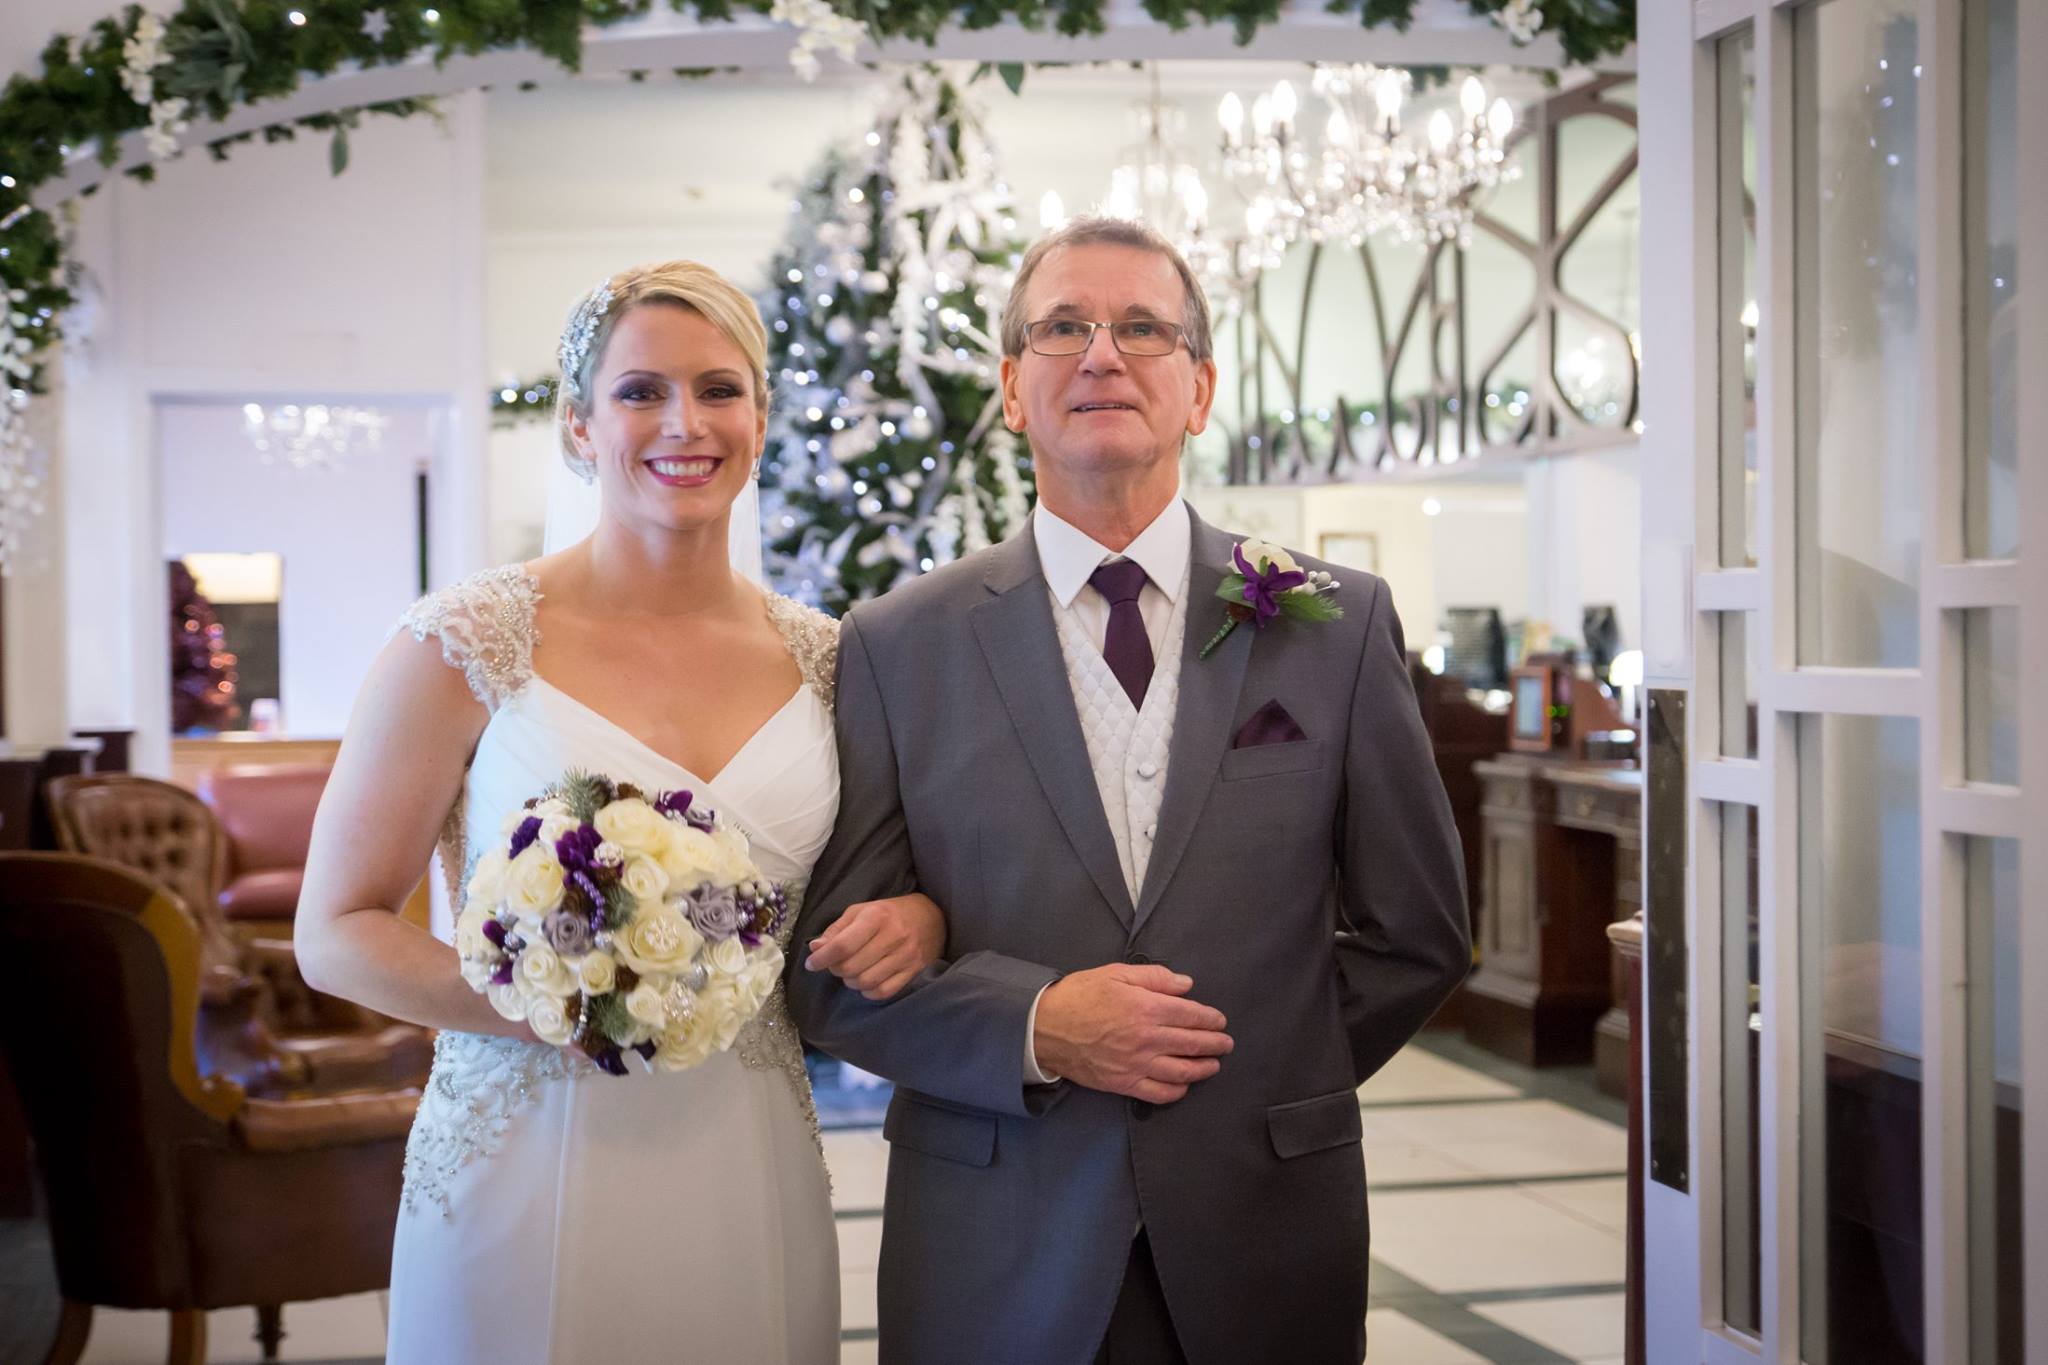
(1068,554)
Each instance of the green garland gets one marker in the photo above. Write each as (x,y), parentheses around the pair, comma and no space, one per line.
(223,54)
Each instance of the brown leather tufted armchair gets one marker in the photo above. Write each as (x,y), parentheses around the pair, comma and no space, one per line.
(168,1188)
(260,1023)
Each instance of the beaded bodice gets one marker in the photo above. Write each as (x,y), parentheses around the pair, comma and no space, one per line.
(486,629)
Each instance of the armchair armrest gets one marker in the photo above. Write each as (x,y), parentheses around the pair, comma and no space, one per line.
(327,1121)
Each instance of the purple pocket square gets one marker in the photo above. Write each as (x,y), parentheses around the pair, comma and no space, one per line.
(1270,724)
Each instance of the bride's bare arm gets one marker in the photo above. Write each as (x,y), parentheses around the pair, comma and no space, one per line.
(879,947)
(399,770)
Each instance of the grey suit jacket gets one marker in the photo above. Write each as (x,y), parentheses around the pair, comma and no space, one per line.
(1313,890)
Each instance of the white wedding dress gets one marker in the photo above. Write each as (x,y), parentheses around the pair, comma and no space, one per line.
(553,1213)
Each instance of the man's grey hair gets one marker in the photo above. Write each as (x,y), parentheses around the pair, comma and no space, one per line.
(1094,230)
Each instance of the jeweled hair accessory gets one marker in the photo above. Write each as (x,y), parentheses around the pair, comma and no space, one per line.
(579,333)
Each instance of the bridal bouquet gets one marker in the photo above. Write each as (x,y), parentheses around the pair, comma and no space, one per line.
(615,921)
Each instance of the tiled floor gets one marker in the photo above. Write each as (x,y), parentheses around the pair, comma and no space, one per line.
(1497,1210)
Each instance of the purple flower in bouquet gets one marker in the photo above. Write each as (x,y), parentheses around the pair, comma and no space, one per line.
(528,831)
(675,804)
(1263,586)
(577,850)
(718,914)
(568,933)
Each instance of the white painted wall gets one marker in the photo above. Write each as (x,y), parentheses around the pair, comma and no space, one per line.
(1584,541)
(1472,552)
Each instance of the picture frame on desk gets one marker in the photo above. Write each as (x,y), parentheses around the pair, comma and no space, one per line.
(1352,549)
(1533,689)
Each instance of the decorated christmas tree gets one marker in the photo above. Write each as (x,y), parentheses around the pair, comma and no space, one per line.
(887,454)
(202,670)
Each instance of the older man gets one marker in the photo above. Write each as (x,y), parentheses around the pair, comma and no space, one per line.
(1195,896)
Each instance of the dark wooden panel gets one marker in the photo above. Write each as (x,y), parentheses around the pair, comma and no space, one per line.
(1667,1065)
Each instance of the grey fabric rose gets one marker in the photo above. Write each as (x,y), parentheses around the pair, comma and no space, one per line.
(568,932)
(717,914)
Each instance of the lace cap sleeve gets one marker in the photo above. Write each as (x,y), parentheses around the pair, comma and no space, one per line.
(485,625)
(813,640)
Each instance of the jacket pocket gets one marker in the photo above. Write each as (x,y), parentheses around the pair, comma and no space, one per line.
(1315,1125)
(952,1134)
(1267,760)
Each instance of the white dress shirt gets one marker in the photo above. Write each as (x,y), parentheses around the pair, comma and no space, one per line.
(1068,555)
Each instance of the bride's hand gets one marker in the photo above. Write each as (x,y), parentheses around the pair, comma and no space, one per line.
(879,947)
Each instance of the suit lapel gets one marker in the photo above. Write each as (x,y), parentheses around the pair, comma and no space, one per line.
(1021,643)
(1209,691)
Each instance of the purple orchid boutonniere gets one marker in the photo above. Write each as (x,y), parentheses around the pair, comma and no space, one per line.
(1268,584)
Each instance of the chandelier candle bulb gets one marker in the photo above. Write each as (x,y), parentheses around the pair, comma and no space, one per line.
(1500,120)
(1472,98)
(1230,113)
(1390,91)
(1441,133)
(1284,105)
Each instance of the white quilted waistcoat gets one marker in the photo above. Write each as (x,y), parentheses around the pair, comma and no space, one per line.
(1127,745)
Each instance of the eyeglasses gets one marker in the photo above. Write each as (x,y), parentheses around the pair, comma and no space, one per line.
(1133,336)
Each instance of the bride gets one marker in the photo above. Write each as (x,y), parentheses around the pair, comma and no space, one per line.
(552,1212)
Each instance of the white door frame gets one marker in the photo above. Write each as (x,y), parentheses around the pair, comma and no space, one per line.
(1684,580)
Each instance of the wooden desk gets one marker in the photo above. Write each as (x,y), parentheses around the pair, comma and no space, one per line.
(1561,857)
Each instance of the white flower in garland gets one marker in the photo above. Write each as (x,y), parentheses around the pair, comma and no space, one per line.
(21,460)
(142,56)
(819,27)
(1523,19)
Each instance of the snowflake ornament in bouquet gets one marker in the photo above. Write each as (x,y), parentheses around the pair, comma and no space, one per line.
(615,922)
(1265,584)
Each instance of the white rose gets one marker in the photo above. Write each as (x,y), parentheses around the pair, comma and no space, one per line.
(470,942)
(658,940)
(542,970)
(1258,552)
(486,879)
(646,881)
(728,956)
(644,1003)
(553,827)
(634,825)
(726,1006)
(762,974)
(507,1000)
(689,856)
(597,972)
(733,861)
(685,1042)
(548,1019)
(533,882)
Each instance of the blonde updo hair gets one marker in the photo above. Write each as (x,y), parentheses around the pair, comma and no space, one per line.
(686,283)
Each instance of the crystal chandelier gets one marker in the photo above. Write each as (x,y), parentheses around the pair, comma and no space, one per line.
(1156,185)
(314,436)
(1369,175)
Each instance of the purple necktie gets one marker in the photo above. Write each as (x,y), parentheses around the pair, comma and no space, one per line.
(1125,648)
